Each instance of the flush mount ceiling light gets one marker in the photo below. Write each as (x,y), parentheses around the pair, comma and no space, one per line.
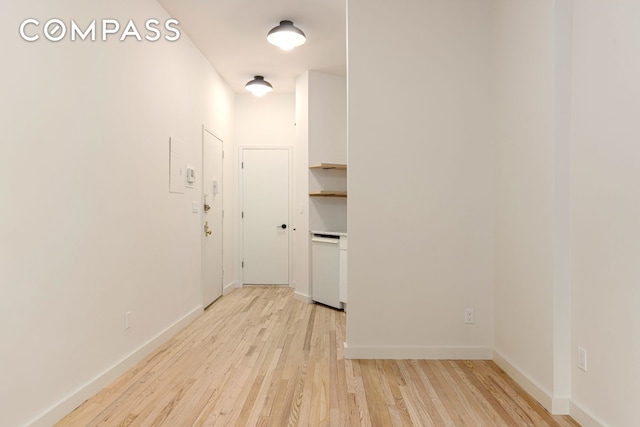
(258,86)
(286,36)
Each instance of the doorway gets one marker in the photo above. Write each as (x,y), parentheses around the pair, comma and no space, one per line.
(265,212)
(212,217)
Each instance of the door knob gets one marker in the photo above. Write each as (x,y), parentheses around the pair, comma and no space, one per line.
(283,226)
(207,230)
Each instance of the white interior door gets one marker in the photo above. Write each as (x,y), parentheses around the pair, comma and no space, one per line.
(212,274)
(265,216)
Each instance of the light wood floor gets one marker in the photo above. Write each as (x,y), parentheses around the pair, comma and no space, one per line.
(258,357)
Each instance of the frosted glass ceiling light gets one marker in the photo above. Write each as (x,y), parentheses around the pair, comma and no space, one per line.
(258,86)
(286,36)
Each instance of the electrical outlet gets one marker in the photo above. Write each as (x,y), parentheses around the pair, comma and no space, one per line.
(468,315)
(582,359)
(127,320)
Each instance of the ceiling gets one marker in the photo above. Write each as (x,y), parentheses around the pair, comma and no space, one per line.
(232,35)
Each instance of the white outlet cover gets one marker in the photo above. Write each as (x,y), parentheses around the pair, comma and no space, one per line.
(469,316)
(582,359)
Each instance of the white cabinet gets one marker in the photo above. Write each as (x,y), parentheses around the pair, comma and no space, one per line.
(329,268)
(325,269)
(343,269)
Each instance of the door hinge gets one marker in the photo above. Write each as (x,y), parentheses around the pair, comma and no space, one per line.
(242,264)
(242,214)
(242,165)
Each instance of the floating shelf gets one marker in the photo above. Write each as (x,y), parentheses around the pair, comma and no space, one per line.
(327,193)
(336,166)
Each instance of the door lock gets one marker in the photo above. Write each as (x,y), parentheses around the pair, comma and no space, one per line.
(207,208)
(207,230)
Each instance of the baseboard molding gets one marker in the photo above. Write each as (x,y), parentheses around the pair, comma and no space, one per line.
(554,404)
(560,405)
(557,405)
(230,287)
(584,418)
(453,353)
(71,402)
(302,297)
(529,385)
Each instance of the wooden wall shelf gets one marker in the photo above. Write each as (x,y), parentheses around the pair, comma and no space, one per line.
(327,193)
(336,166)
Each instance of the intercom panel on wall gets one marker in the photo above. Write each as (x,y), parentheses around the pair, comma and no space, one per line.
(191,176)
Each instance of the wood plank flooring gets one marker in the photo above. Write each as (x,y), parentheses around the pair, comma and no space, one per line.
(258,357)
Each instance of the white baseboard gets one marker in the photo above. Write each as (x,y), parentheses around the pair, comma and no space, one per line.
(229,287)
(454,353)
(71,402)
(302,297)
(554,404)
(530,386)
(584,418)
(560,405)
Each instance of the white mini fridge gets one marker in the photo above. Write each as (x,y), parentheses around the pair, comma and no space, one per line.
(325,269)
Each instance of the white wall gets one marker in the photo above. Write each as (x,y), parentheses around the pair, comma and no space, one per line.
(420,179)
(265,121)
(524,172)
(606,208)
(88,228)
(327,144)
(301,191)
(327,118)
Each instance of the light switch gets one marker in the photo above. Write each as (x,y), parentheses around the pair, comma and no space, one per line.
(195,207)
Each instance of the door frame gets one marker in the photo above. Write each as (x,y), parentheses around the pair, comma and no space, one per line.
(206,129)
(241,150)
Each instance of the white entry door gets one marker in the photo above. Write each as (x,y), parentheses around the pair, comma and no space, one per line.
(211,217)
(265,216)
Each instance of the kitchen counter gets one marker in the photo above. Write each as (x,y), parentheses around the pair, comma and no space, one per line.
(330,233)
